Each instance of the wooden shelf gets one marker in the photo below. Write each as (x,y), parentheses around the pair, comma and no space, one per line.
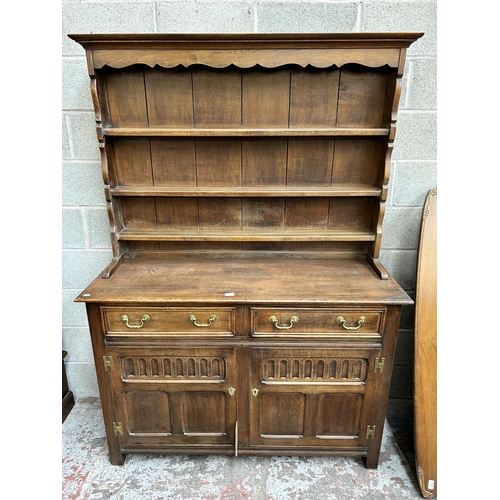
(244,132)
(246,235)
(351,190)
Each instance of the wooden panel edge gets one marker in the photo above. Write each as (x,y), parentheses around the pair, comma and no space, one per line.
(425,401)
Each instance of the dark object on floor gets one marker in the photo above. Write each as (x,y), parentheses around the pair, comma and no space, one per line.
(400,418)
(68,401)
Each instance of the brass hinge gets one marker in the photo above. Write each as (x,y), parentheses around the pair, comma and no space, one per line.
(370,433)
(379,365)
(118,429)
(108,363)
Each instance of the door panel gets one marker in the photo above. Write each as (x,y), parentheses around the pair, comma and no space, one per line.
(282,415)
(174,396)
(196,405)
(310,397)
(147,412)
(338,416)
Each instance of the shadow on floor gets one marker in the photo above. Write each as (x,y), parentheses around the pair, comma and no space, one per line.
(88,475)
(400,418)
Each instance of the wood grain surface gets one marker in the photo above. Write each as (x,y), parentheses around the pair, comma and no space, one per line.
(425,394)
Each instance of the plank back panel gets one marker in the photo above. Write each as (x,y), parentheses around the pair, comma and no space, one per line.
(247,162)
(178,246)
(220,213)
(314,96)
(177,213)
(138,213)
(169,98)
(362,97)
(288,96)
(132,162)
(306,213)
(271,246)
(217,98)
(310,162)
(358,161)
(305,246)
(173,162)
(257,97)
(265,96)
(218,162)
(350,213)
(142,246)
(263,213)
(216,246)
(126,98)
(264,162)
(356,248)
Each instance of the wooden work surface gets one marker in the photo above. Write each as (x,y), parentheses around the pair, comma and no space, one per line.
(251,280)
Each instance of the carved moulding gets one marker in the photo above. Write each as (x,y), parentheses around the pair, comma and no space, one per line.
(324,58)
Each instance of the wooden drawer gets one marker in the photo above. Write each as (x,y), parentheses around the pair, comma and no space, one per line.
(191,322)
(308,323)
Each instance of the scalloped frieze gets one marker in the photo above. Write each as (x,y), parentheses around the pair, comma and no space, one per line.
(272,58)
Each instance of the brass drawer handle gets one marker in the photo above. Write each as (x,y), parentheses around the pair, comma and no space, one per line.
(274,319)
(341,320)
(192,318)
(144,319)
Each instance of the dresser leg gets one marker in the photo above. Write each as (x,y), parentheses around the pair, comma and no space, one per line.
(371,461)
(373,454)
(116,458)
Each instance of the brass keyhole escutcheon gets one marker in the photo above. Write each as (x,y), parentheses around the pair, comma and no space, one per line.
(255,392)
(231,391)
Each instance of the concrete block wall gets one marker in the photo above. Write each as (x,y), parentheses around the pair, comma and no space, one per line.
(86,244)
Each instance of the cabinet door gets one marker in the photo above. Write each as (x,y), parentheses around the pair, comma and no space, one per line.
(311,397)
(174,396)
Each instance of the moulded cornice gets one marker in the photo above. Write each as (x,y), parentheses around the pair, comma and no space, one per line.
(245,50)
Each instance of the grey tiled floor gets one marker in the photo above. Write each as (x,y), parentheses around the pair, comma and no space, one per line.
(87,473)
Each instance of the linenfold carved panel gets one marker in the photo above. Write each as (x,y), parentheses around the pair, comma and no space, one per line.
(173,368)
(314,369)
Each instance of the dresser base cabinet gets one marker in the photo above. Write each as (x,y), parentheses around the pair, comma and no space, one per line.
(245,309)
(174,380)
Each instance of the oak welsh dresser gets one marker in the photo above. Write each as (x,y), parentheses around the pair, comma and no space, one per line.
(245,310)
